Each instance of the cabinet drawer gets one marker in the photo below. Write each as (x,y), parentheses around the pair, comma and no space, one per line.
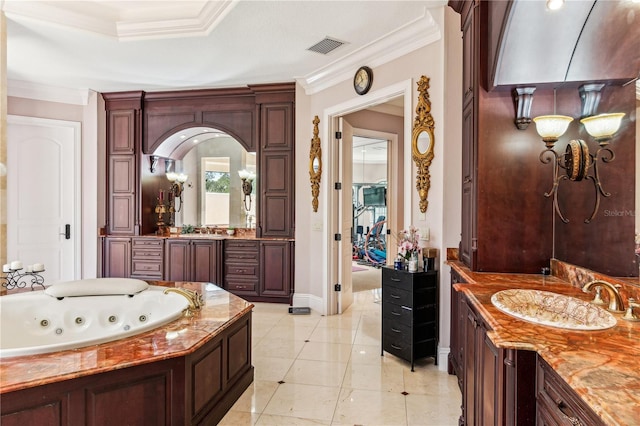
(237,286)
(241,256)
(396,313)
(557,401)
(395,278)
(396,296)
(146,268)
(241,245)
(147,254)
(245,269)
(147,243)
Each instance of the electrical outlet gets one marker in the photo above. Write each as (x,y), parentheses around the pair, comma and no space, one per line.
(316,226)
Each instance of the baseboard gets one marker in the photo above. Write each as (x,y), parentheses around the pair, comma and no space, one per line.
(309,301)
(443,358)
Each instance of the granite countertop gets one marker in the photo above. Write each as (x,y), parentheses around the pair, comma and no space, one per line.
(603,367)
(237,236)
(219,312)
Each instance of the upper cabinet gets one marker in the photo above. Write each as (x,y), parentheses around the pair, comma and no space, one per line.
(139,126)
(124,134)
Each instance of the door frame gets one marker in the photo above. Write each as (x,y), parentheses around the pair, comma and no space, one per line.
(77,190)
(329,127)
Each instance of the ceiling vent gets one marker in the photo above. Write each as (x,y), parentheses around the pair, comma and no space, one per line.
(325,46)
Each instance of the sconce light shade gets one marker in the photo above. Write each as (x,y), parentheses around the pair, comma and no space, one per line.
(172,176)
(551,127)
(602,127)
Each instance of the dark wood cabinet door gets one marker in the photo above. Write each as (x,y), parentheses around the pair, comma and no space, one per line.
(177,258)
(204,255)
(117,257)
(121,131)
(275,268)
(122,200)
(277,170)
(469,342)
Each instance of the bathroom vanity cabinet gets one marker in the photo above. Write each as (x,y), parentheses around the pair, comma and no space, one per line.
(410,314)
(259,270)
(498,385)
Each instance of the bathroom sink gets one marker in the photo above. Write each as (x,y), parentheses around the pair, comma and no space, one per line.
(552,309)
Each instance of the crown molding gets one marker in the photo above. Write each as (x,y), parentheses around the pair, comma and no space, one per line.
(412,36)
(170,21)
(41,92)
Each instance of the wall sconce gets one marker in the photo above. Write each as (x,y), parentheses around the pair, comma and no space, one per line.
(577,161)
(177,187)
(247,186)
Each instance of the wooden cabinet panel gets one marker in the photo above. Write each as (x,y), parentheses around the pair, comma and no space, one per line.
(191,260)
(139,401)
(275,279)
(122,201)
(49,413)
(122,127)
(205,266)
(117,257)
(208,380)
(177,260)
(277,126)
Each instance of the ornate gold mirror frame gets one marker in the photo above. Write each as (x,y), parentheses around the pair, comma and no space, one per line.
(315,164)
(422,141)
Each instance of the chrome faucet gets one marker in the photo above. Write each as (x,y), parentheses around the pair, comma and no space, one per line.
(615,300)
(194,298)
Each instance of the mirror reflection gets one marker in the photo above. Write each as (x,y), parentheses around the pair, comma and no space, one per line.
(316,165)
(214,192)
(424,141)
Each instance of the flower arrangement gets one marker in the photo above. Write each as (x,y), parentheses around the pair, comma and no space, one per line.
(408,242)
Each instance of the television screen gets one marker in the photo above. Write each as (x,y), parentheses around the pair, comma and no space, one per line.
(375,197)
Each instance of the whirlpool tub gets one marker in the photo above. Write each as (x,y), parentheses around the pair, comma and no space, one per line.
(76,314)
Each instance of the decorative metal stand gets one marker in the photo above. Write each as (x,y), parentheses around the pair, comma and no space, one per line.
(15,279)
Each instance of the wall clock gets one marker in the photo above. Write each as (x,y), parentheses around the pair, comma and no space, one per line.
(362,80)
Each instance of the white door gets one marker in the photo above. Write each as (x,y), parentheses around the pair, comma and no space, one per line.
(43,195)
(345,215)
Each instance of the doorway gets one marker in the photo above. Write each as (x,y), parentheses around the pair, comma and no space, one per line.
(370,192)
(43,193)
(339,265)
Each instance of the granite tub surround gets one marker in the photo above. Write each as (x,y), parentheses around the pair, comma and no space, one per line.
(601,366)
(178,338)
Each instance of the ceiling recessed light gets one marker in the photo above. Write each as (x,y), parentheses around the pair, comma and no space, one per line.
(554,4)
(195,141)
(183,136)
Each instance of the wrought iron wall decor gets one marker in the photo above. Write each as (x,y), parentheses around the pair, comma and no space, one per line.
(315,164)
(422,142)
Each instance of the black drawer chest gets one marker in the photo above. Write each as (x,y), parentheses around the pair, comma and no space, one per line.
(410,314)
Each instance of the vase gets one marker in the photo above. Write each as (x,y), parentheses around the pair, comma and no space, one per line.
(413,263)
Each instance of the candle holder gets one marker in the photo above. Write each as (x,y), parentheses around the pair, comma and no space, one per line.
(15,279)
(160,211)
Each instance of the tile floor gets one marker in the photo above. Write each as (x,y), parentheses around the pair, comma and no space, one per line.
(316,370)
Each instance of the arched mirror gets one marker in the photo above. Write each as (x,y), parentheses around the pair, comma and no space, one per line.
(422,142)
(216,165)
